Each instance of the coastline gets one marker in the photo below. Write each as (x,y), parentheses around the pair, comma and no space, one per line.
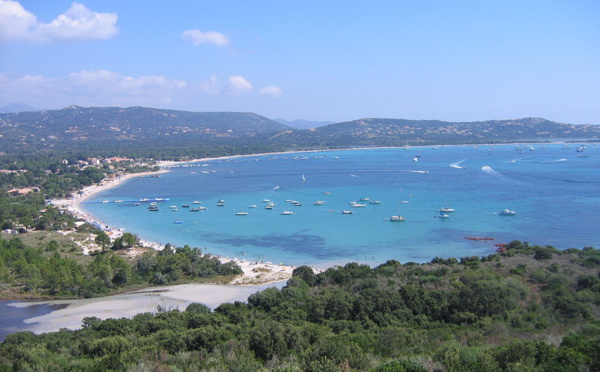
(254,272)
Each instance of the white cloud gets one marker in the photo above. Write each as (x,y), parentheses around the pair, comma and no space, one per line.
(198,37)
(271,90)
(212,86)
(77,23)
(90,88)
(238,85)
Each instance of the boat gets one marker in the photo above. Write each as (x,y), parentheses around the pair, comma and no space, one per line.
(185,206)
(178,222)
(269,206)
(118,201)
(446,210)
(196,202)
(287,213)
(252,206)
(442,215)
(241,214)
(347,212)
(137,204)
(415,159)
(397,219)
(144,200)
(357,205)
(507,212)
(364,199)
(319,202)
(153,208)
(194,209)
(297,204)
(104,201)
(374,202)
(303,178)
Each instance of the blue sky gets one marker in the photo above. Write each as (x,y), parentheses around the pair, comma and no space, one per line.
(316,60)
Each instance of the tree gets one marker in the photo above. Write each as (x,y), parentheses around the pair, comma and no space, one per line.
(102,239)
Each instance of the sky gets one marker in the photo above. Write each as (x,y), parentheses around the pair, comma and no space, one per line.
(315,60)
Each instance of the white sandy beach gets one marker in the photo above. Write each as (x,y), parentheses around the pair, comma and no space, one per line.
(143,301)
(255,272)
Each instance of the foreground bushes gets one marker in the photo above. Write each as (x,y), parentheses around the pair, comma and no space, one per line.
(484,317)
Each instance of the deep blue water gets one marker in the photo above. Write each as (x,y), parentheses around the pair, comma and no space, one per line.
(554,190)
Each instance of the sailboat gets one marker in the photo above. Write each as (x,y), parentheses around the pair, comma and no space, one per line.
(303,178)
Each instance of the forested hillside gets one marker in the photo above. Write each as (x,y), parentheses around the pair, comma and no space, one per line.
(529,308)
(149,132)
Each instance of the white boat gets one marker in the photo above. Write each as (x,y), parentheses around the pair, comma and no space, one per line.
(319,202)
(196,202)
(507,212)
(287,213)
(347,212)
(375,202)
(357,205)
(252,206)
(442,216)
(364,199)
(446,210)
(144,199)
(397,219)
(178,222)
(241,214)
(118,201)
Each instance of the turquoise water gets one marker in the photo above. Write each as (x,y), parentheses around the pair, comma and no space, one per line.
(554,190)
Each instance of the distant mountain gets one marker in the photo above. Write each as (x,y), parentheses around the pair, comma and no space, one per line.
(77,127)
(303,124)
(15,107)
(151,131)
(401,132)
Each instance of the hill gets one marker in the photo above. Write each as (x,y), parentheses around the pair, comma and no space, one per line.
(149,132)
(529,308)
(401,132)
(95,128)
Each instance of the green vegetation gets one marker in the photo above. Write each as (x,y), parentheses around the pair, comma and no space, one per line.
(166,134)
(519,310)
(44,271)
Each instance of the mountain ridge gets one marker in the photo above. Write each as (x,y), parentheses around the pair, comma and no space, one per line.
(116,128)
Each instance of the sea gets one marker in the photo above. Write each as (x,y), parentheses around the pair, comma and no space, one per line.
(553,190)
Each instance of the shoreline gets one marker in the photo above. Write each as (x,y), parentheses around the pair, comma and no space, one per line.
(254,272)
(252,269)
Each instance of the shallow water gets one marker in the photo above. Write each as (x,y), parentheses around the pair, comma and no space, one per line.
(555,192)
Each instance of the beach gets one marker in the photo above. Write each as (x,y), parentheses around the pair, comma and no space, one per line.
(255,272)
(127,305)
